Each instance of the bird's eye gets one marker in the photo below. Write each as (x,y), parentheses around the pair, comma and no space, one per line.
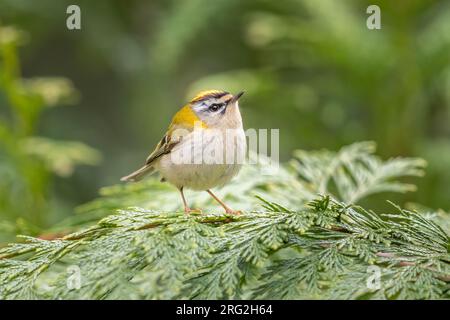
(214,107)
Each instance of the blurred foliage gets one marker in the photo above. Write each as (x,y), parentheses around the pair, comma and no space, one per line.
(26,161)
(310,68)
(61,157)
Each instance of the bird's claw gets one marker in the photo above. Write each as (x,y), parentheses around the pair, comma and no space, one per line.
(192,211)
(233,212)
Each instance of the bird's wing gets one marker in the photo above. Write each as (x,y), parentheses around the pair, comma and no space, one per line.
(164,147)
(182,124)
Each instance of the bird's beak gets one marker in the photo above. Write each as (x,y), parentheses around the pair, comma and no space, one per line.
(236,97)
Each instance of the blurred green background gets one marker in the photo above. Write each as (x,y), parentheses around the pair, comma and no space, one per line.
(103,95)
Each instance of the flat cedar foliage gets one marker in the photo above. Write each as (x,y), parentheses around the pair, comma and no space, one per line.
(302,235)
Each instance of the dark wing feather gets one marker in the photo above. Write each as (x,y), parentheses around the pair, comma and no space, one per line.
(164,147)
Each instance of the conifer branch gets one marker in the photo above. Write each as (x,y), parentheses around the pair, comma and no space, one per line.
(308,247)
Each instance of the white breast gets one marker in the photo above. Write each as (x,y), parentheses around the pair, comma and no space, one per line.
(204,159)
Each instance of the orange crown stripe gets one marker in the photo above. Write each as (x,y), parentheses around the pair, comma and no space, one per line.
(208,93)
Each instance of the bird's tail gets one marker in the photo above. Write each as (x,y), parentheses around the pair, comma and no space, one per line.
(138,174)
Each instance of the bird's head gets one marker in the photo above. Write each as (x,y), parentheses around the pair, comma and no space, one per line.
(217,109)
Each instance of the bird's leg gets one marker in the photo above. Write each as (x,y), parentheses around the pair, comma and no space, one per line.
(227,208)
(186,207)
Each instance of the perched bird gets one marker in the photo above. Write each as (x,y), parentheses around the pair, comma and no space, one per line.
(203,148)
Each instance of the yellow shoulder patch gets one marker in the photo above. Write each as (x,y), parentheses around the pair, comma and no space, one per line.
(186,118)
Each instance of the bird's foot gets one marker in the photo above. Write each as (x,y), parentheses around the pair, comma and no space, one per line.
(234,212)
(192,211)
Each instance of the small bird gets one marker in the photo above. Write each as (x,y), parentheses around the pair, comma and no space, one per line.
(197,152)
